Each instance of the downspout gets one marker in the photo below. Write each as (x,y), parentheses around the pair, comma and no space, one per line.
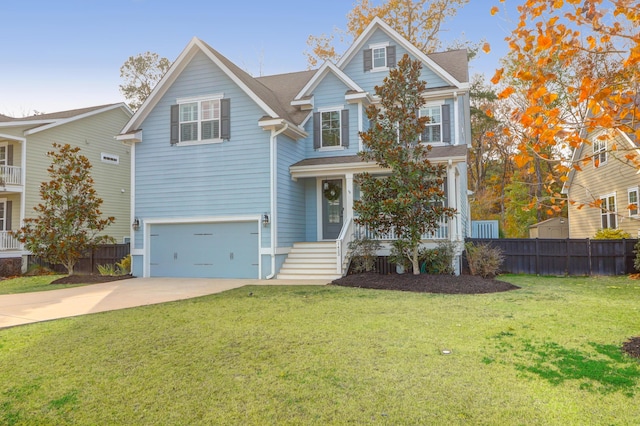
(273,171)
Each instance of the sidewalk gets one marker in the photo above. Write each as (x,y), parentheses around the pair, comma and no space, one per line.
(26,308)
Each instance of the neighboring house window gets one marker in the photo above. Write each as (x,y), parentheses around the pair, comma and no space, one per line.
(632,194)
(5,214)
(379,57)
(200,120)
(109,158)
(599,152)
(608,211)
(438,128)
(331,129)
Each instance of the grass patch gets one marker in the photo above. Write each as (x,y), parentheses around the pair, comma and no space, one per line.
(32,284)
(332,355)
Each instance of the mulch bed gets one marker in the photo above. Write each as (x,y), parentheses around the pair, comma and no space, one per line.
(424,283)
(89,279)
(632,347)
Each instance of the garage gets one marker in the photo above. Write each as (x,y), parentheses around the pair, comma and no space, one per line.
(204,250)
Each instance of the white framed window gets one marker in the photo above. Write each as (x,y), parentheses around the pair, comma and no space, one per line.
(3,153)
(330,123)
(109,158)
(3,214)
(432,132)
(632,197)
(200,119)
(331,128)
(599,152)
(379,57)
(608,211)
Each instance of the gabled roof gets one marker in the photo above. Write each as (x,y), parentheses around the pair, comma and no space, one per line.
(42,122)
(285,87)
(257,89)
(5,118)
(321,73)
(451,66)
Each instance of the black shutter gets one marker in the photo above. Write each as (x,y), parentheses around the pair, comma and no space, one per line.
(175,124)
(368,60)
(344,134)
(446,124)
(7,215)
(391,56)
(9,155)
(316,130)
(225,119)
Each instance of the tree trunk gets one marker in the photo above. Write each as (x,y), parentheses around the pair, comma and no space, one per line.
(414,261)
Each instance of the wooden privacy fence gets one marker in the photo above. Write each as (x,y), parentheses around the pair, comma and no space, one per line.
(564,257)
(102,255)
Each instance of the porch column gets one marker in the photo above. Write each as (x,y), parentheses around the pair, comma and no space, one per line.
(453,202)
(349,201)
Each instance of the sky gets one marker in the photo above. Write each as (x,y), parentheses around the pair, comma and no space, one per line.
(66,54)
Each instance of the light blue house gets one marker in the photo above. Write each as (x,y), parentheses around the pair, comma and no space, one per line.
(237,176)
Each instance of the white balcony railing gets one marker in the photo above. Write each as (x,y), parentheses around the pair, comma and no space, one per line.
(442,233)
(10,175)
(342,243)
(8,242)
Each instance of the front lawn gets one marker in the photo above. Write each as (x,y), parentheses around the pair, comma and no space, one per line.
(31,284)
(545,354)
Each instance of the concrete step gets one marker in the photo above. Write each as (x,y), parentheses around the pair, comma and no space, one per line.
(329,277)
(307,269)
(312,259)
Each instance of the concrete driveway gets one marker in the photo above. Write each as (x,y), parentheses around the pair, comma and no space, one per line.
(26,308)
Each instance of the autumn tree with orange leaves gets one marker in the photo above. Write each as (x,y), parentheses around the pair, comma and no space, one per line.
(419,21)
(576,63)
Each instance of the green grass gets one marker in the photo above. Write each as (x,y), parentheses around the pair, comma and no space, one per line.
(32,284)
(545,354)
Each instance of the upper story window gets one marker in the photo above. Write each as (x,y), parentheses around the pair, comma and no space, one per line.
(331,129)
(200,120)
(599,152)
(608,211)
(379,57)
(632,194)
(438,128)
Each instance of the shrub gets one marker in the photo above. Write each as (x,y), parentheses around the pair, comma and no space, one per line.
(438,260)
(364,251)
(108,270)
(611,234)
(398,255)
(483,259)
(125,265)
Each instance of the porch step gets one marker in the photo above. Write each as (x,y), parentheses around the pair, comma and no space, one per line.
(310,260)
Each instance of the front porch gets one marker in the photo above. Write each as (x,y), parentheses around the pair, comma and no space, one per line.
(9,243)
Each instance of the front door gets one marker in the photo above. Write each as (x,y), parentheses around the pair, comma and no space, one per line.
(331,208)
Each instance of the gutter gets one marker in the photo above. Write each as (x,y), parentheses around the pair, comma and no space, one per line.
(273,157)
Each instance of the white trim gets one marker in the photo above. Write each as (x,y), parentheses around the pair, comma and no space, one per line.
(107,158)
(637,203)
(331,108)
(379,23)
(130,137)
(60,121)
(147,223)
(331,148)
(379,46)
(175,70)
(608,212)
(320,75)
(456,111)
(192,99)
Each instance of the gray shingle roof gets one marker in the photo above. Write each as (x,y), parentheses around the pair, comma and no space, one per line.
(455,62)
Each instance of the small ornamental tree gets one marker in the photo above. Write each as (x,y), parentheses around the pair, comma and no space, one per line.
(410,198)
(68,219)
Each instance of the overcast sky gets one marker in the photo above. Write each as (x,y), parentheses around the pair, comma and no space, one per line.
(65,54)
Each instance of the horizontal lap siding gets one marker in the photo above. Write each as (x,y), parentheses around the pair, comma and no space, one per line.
(94,135)
(330,93)
(368,80)
(222,179)
(291,202)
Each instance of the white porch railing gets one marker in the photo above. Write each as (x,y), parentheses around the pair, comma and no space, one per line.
(442,233)
(342,243)
(10,175)
(8,242)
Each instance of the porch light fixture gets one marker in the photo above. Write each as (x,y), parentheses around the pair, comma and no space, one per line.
(136,224)
(265,219)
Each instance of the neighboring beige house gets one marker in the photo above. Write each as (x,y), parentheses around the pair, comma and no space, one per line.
(607,187)
(24,143)
(556,227)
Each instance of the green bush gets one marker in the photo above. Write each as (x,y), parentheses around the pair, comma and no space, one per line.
(364,254)
(438,260)
(398,256)
(125,265)
(611,234)
(483,259)
(108,270)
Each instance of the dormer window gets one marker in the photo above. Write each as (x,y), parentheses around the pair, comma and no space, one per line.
(331,129)
(379,57)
